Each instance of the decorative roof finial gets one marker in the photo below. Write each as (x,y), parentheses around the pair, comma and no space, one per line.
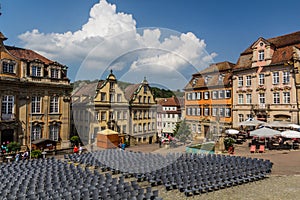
(145,80)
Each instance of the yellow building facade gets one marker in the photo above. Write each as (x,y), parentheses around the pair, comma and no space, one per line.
(34,97)
(105,105)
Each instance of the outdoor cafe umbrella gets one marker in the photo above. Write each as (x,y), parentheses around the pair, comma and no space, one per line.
(295,126)
(264,132)
(278,124)
(232,131)
(251,122)
(290,134)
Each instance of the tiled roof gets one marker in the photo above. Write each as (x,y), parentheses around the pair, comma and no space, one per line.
(129,91)
(212,72)
(172,101)
(281,41)
(86,90)
(27,54)
(217,67)
(283,50)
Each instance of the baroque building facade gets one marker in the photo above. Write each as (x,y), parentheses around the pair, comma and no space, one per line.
(105,104)
(34,97)
(208,100)
(266,81)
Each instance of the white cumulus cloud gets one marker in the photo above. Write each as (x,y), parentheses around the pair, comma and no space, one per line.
(110,36)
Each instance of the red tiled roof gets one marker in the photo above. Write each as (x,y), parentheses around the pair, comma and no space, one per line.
(283,50)
(27,54)
(281,41)
(172,101)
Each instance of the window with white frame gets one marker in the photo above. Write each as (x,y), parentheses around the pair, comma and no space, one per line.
(54,73)
(227,112)
(276,98)
(54,104)
(222,112)
(240,99)
(275,77)
(119,97)
(206,79)
(193,95)
(214,111)
(103,116)
(54,132)
(36,104)
(286,77)
(206,112)
(262,98)
(8,67)
(228,94)
(221,94)
(189,96)
(241,117)
(261,79)
(7,104)
(36,71)
(286,97)
(206,95)
(36,132)
(214,94)
(240,81)
(125,114)
(248,98)
(103,96)
(135,128)
(261,55)
(199,95)
(198,111)
(248,80)
(193,111)
(119,115)
(111,98)
(221,78)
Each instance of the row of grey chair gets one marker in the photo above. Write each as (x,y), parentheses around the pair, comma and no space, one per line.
(189,173)
(55,179)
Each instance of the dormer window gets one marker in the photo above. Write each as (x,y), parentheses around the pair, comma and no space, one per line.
(36,71)
(206,79)
(54,73)
(261,55)
(221,77)
(8,67)
(195,81)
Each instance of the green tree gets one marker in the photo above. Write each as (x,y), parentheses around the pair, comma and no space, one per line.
(36,154)
(13,146)
(182,131)
(75,140)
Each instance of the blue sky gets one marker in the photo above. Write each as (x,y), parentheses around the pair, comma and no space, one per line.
(216,30)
